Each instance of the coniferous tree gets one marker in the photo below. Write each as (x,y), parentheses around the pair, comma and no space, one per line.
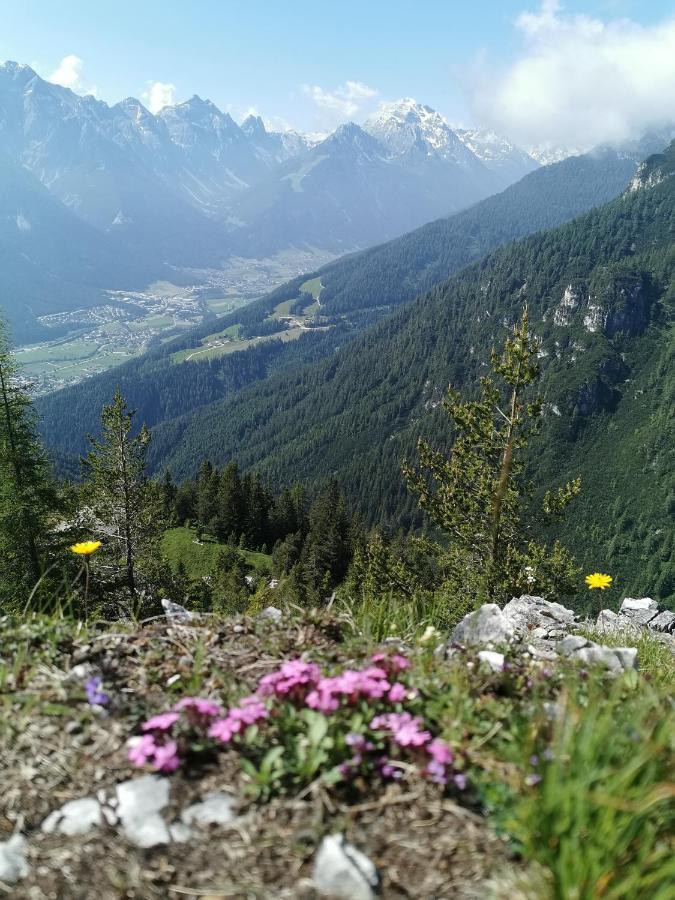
(477,494)
(117,487)
(327,550)
(230,503)
(28,499)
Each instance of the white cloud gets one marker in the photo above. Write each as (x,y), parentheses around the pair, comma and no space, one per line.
(69,72)
(580,80)
(344,102)
(158,95)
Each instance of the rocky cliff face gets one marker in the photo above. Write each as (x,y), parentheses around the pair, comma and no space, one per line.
(617,304)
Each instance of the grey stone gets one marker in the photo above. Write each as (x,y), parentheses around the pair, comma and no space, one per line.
(627,657)
(493,660)
(572,644)
(74,817)
(272,613)
(538,618)
(215,809)
(639,610)
(175,611)
(486,625)
(609,621)
(595,655)
(139,803)
(342,871)
(640,616)
(665,622)
(13,865)
(616,659)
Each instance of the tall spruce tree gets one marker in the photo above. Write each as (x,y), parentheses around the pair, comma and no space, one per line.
(478,496)
(117,488)
(28,498)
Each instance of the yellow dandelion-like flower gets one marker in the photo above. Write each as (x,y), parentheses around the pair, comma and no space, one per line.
(598,580)
(85,548)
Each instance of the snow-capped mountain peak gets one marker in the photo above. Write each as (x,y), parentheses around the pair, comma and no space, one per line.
(495,151)
(406,126)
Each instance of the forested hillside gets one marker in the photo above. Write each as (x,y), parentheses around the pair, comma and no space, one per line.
(600,295)
(357,291)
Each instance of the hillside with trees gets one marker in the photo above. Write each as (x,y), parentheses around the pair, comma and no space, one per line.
(599,291)
(356,292)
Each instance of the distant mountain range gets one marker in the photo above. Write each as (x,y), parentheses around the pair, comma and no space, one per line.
(189,188)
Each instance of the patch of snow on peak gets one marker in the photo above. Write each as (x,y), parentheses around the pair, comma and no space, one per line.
(546,153)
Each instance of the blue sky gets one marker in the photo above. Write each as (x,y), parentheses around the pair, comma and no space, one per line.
(309,64)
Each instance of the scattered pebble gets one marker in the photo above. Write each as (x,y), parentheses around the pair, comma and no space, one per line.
(13,865)
(342,871)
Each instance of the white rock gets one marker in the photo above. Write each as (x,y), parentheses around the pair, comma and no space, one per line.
(215,809)
(140,802)
(536,617)
(81,672)
(13,865)
(616,659)
(627,657)
(641,610)
(272,613)
(342,871)
(146,831)
(665,622)
(486,625)
(175,611)
(641,603)
(180,834)
(74,817)
(610,621)
(493,660)
(572,644)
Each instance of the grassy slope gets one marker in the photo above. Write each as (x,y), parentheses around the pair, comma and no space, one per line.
(199,558)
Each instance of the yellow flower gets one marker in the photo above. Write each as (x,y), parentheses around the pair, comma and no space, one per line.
(86,548)
(597,580)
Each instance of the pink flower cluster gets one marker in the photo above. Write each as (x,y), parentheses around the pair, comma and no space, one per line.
(238,718)
(389,734)
(302,683)
(158,746)
(405,730)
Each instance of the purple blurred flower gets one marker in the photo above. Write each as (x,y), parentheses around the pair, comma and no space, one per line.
(95,695)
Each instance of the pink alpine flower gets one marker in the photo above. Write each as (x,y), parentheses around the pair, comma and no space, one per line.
(200,705)
(141,749)
(405,729)
(440,752)
(293,680)
(166,757)
(162,722)
(397,692)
